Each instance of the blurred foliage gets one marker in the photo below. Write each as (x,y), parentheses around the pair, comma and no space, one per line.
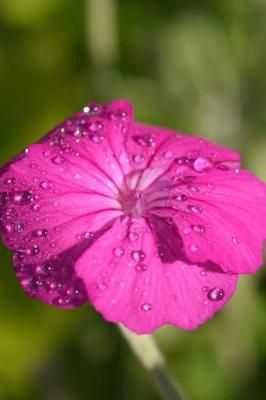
(193,65)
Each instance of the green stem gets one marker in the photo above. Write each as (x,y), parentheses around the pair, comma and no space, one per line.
(148,353)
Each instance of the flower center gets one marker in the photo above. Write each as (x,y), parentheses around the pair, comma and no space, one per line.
(133,203)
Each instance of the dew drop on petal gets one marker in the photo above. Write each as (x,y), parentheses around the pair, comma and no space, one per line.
(138,158)
(95,126)
(141,267)
(41,233)
(17,197)
(199,229)
(35,250)
(146,306)
(102,286)
(195,209)
(10,181)
(216,294)
(36,207)
(88,235)
(7,228)
(97,138)
(144,140)
(194,248)
(45,185)
(137,255)
(133,236)
(47,153)
(183,161)
(58,160)
(194,188)
(181,197)
(47,268)
(118,251)
(202,164)
(19,227)
(235,240)
(119,114)
(92,109)
(168,155)
(77,176)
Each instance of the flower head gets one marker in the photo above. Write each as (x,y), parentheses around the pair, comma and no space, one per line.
(148,225)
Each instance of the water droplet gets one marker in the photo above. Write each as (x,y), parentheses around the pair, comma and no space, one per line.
(41,233)
(133,236)
(194,248)
(138,158)
(68,149)
(235,240)
(17,197)
(47,153)
(141,267)
(211,186)
(58,160)
(195,209)
(47,268)
(19,256)
(181,197)
(45,185)
(92,109)
(169,220)
(146,306)
(183,161)
(118,251)
(10,181)
(7,228)
(95,126)
(202,164)
(36,207)
(77,176)
(102,286)
(35,250)
(19,226)
(199,229)
(194,188)
(216,294)
(119,114)
(88,235)
(168,155)
(144,140)
(137,255)
(97,138)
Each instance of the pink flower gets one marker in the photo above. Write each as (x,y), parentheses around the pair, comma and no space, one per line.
(148,225)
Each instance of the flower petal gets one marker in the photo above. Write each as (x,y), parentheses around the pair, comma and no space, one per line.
(221,219)
(127,282)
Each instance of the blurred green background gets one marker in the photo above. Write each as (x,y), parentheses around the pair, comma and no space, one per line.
(198,66)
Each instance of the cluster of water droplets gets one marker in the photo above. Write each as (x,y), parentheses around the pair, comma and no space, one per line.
(40,274)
